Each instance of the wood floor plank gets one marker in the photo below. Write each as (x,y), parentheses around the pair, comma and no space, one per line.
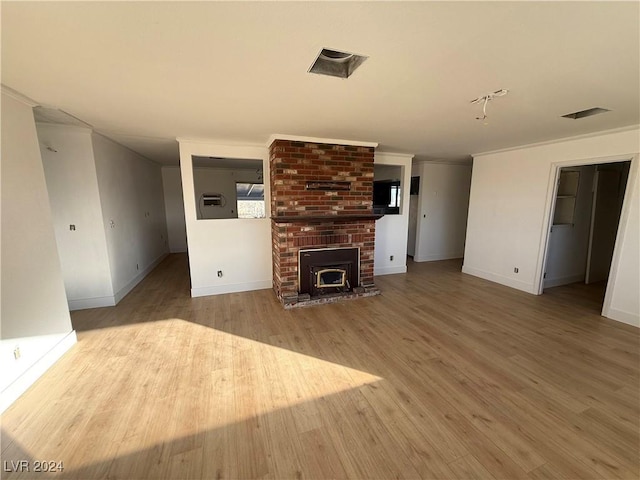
(468,467)
(443,376)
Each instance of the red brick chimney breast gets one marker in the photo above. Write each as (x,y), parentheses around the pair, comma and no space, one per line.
(321,197)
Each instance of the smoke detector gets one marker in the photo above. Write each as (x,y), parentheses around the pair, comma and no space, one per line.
(336,63)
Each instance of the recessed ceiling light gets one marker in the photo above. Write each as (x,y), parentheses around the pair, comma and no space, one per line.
(586,113)
(336,63)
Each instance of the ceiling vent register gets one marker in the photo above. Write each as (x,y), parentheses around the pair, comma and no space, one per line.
(586,113)
(335,63)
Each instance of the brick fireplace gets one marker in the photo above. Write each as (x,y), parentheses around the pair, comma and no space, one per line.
(321,199)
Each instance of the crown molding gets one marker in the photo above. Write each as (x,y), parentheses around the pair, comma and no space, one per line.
(18,96)
(330,141)
(61,126)
(379,153)
(444,162)
(218,141)
(560,140)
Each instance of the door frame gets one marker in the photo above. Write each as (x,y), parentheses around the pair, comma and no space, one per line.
(550,205)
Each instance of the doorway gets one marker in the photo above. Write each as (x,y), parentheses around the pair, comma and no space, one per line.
(586,213)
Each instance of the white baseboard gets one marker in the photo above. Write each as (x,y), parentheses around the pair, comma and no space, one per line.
(389,270)
(231,288)
(96,302)
(625,317)
(556,282)
(120,294)
(27,378)
(501,279)
(438,256)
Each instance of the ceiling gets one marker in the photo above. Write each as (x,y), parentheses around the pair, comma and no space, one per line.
(144,73)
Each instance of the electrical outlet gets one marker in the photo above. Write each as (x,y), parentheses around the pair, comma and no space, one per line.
(16,352)
(219,273)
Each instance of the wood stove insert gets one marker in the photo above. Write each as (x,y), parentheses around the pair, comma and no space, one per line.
(328,271)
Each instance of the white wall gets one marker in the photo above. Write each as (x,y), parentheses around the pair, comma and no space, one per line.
(174,208)
(568,244)
(134,219)
(34,310)
(72,184)
(442,210)
(509,215)
(392,230)
(241,248)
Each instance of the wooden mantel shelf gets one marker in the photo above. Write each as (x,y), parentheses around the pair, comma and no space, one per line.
(327,218)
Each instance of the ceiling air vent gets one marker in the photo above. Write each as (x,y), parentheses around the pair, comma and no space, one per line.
(336,63)
(586,113)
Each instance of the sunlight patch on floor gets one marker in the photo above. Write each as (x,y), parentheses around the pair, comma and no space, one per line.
(161,382)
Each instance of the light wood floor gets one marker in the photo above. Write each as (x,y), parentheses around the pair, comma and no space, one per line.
(442,376)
